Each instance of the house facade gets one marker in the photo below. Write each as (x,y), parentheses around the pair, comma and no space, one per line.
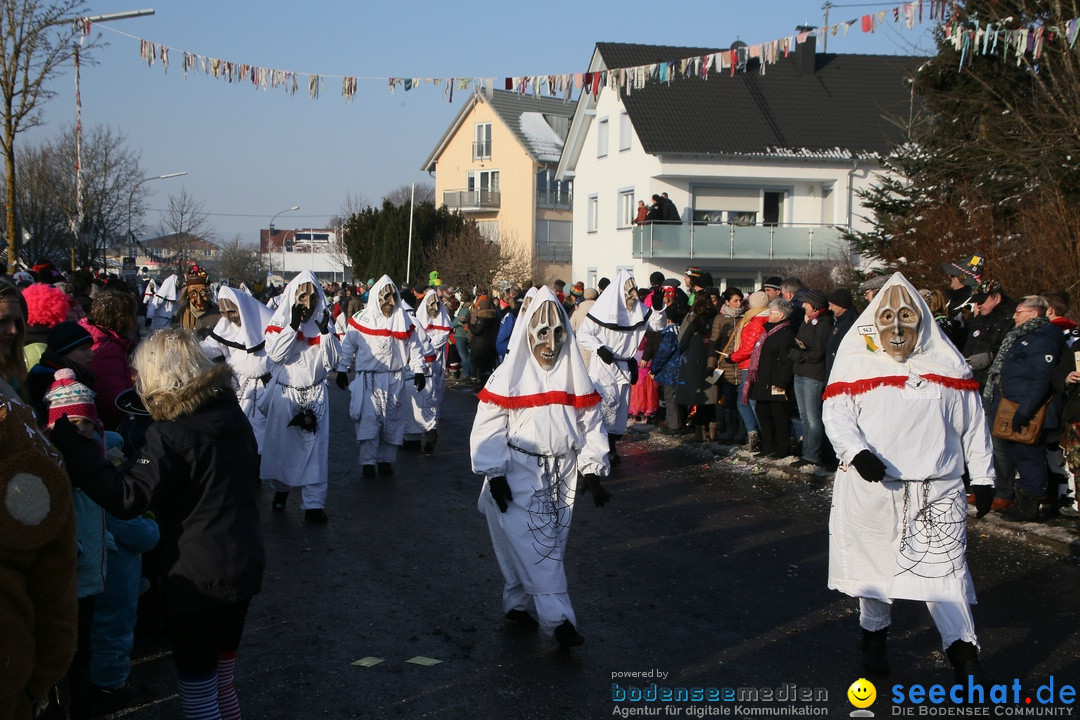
(496,164)
(288,252)
(764,168)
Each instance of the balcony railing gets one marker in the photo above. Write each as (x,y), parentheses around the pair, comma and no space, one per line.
(554,200)
(737,242)
(475,200)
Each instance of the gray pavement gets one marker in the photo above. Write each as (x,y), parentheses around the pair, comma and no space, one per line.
(698,574)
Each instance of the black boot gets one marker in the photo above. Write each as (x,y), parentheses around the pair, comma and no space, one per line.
(368,471)
(1024,509)
(965,661)
(279,501)
(567,635)
(523,620)
(385,468)
(430,438)
(874,659)
(613,454)
(315,516)
(732,428)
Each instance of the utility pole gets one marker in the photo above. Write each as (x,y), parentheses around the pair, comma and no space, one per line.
(825,27)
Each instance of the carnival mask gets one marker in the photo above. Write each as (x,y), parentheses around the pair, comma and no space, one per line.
(198,296)
(387,299)
(547,334)
(897,321)
(229,311)
(432,304)
(307,298)
(630,294)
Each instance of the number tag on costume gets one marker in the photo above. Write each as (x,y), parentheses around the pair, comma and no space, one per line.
(867,330)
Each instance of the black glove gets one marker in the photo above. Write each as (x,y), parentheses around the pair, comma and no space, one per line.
(342,380)
(80,452)
(419,381)
(984,499)
(657,299)
(631,366)
(500,491)
(869,466)
(600,496)
(605,354)
(324,324)
(297,319)
(1019,421)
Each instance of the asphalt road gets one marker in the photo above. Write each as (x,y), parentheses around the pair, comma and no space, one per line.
(696,569)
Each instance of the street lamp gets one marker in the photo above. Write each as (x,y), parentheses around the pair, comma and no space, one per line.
(131,198)
(270,241)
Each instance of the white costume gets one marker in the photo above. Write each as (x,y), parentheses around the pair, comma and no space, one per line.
(148,292)
(300,362)
(162,306)
(905,537)
(387,353)
(538,428)
(609,324)
(244,348)
(435,329)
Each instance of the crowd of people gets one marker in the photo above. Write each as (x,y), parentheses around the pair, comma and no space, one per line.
(131,398)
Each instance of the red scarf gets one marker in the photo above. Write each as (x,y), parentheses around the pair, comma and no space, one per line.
(755,358)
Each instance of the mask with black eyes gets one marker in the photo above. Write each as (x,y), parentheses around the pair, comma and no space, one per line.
(387,299)
(230,311)
(630,296)
(897,320)
(547,334)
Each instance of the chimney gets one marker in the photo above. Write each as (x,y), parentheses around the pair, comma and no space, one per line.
(805,52)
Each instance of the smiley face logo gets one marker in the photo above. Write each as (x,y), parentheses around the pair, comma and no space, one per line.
(862,693)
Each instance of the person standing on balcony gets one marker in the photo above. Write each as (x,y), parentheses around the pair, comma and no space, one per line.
(669,213)
(642,213)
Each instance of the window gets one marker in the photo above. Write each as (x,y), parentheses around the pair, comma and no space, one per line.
(489,230)
(602,137)
(483,180)
(627,209)
(482,141)
(594,213)
(626,131)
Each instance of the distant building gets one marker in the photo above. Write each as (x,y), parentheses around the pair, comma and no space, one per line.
(495,164)
(320,250)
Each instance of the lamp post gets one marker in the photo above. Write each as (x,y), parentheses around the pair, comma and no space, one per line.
(131,198)
(270,241)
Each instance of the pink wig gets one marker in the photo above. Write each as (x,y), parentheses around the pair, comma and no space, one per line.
(46,305)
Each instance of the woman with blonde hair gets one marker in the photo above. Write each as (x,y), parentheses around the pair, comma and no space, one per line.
(198,471)
(111,323)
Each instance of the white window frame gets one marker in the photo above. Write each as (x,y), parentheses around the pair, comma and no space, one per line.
(482,141)
(626,207)
(602,137)
(626,132)
(593,214)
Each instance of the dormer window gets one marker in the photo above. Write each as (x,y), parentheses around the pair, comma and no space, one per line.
(482,142)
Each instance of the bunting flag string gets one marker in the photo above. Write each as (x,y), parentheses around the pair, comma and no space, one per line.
(969,39)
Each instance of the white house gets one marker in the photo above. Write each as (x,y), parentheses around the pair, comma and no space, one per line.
(763,167)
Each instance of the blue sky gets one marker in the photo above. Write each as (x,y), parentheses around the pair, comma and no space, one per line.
(250,153)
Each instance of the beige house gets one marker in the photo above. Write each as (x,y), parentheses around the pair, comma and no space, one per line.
(496,165)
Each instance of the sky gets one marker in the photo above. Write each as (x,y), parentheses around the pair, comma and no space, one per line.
(251,153)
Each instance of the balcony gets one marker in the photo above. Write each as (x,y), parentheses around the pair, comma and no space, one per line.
(472,200)
(737,242)
(554,199)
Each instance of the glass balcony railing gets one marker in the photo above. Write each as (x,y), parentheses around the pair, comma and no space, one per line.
(737,242)
(472,199)
(554,200)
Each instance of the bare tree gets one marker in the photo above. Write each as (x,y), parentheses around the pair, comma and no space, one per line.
(468,259)
(240,263)
(425,192)
(182,224)
(38,42)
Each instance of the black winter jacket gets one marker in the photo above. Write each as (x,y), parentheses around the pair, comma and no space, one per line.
(775,366)
(840,327)
(199,473)
(1027,374)
(815,334)
(985,333)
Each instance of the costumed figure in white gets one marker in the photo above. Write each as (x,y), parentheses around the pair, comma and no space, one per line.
(162,306)
(435,323)
(148,293)
(613,330)
(303,352)
(538,426)
(383,343)
(904,416)
(240,335)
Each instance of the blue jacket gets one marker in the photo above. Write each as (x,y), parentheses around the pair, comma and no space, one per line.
(668,359)
(506,328)
(1027,371)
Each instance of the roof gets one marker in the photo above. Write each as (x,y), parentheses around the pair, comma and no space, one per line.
(844,108)
(173,239)
(539,124)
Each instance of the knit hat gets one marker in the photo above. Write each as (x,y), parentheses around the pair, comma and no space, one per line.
(656,278)
(816,298)
(196,276)
(45,305)
(693,272)
(969,271)
(758,300)
(841,297)
(65,337)
(67,396)
(985,289)
(773,283)
(874,283)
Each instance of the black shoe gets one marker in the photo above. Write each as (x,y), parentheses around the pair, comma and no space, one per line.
(614,458)
(315,516)
(874,659)
(385,468)
(368,471)
(523,620)
(278,505)
(430,438)
(1024,509)
(964,657)
(567,635)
